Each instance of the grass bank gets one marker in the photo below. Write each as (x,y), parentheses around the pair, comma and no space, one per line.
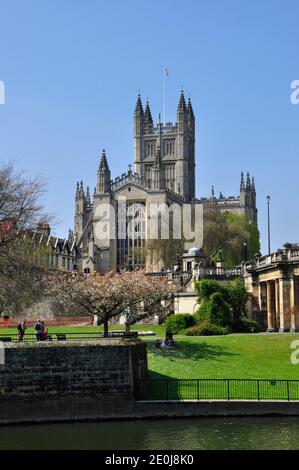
(264,356)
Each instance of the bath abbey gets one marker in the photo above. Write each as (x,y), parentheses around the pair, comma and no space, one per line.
(163,174)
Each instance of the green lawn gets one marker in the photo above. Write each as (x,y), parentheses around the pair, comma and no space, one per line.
(263,356)
(159,330)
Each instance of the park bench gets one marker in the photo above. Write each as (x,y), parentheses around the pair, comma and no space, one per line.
(5,339)
(123,334)
(60,337)
(130,334)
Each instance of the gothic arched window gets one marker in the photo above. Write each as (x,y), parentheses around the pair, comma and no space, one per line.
(130,248)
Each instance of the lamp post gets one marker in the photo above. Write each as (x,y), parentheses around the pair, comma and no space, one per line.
(269,244)
(245,251)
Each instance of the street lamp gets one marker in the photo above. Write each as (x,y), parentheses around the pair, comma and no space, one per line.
(268,203)
(245,250)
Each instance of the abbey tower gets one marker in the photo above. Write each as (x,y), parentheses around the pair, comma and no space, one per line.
(177,147)
(164,173)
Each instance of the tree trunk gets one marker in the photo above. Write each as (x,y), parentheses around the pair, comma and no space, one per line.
(106,327)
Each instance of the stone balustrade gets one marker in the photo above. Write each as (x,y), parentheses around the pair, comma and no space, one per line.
(290,253)
(129,177)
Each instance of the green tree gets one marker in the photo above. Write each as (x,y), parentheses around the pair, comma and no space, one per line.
(165,251)
(227,232)
(239,230)
(206,287)
(238,296)
(221,304)
(219,310)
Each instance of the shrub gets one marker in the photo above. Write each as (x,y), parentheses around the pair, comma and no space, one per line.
(206,288)
(238,296)
(206,329)
(177,323)
(219,301)
(219,311)
(245,325)
(203,312)
(214,310)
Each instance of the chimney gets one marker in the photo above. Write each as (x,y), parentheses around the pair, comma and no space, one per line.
(44,229)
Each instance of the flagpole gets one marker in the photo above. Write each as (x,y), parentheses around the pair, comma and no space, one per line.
(164,110)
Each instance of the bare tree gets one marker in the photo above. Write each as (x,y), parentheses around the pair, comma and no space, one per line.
(21,208)
(21,262)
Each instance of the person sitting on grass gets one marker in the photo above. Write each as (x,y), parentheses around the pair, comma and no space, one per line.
(168,343)
(45,335)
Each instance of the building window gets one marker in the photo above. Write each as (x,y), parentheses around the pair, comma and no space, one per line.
(131,237)
(148,175)
(168,147)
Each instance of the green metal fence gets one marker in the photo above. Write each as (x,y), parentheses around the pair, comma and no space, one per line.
(219,389)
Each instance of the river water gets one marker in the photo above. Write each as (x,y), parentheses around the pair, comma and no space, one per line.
(172,434)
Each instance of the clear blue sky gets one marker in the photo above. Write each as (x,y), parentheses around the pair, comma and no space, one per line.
(73,68)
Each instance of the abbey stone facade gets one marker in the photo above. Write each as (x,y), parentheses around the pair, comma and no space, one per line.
(164,172)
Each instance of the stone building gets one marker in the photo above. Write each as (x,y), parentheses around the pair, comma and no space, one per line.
(195,267)
(56,253)
(164,173)
(273,284)
(244,203)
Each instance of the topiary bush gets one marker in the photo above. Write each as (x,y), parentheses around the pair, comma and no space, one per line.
(221,303)
(206,328)
(219,310)
(178,323)
(203,312)
(207,287)
(214,310)
(238,296)
(245,325)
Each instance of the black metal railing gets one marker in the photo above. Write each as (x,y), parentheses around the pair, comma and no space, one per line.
(219,389)
(58,336)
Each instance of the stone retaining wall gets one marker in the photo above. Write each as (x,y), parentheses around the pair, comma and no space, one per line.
(56,370)
(79,381)
(123,408)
